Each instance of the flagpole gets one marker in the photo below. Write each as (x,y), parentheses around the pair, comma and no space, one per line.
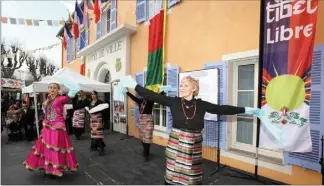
(164,31)
(261,54)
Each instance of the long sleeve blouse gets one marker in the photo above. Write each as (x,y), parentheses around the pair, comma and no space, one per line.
(147,104)
(191,118)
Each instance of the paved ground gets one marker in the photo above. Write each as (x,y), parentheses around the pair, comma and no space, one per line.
(122,165)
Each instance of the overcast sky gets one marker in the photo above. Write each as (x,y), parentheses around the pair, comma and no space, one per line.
(32,37)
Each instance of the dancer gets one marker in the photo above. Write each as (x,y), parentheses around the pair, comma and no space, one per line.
(53,150)
(184,149)
(95,109)
(146,124)
(79,114)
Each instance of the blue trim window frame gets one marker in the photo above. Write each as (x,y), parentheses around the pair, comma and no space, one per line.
(144,12)
(68,49)
(99,28)
(159,111)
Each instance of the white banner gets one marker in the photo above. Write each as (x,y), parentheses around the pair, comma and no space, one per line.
(208,86)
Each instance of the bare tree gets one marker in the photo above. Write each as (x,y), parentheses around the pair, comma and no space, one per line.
(46,68)
(40,67)
(33,66)
(14,57)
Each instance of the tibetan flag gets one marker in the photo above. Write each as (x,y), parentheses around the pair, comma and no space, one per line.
(97,11)
(29,22)
(155,62)
(78,20)
(286,75)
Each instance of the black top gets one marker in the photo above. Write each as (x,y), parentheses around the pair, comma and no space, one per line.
(81,104)
(86,103)
(27,118)
(179,110)
(148,105)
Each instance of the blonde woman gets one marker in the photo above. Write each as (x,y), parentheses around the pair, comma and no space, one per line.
(184,149)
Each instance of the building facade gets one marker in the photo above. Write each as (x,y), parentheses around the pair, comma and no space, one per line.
(199,35)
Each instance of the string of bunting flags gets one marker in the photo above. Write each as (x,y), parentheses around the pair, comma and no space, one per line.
(37,49)
(31,22)
(43,48)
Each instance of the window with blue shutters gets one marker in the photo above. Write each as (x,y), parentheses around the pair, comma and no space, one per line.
(140,80)
(113,15)
(68,50)
(72,48)
(311,160)
(141,11)
(81,40)
(99,30)
(173,81)
(210,130)
(172,3)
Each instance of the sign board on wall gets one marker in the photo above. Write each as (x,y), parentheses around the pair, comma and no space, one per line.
(208,86)
(112,48)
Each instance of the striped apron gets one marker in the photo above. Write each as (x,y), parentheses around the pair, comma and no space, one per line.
(96,126)
(146,127)
(184,158)
(78,118)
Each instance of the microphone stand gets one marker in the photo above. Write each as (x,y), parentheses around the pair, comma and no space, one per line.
(321,162)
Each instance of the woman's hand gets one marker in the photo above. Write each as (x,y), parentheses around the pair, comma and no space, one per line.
(72,93)
(254,111)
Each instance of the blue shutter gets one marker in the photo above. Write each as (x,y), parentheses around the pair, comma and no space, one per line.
(98,35)
(172,2)
(210,129)
(82,40)
(140,80)
(68,49)
(173,81)
(311,160)
(113,15)
(141,13)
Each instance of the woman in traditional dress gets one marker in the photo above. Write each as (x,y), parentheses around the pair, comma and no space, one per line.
(146,124)
(95,109)
(53,150)
(79,115)
(184,149)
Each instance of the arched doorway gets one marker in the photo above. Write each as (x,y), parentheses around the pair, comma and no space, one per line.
(105,77)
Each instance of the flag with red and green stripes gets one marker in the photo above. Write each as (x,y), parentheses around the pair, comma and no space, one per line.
(155,62)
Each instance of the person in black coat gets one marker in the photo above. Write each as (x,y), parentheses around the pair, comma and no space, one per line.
(27,121)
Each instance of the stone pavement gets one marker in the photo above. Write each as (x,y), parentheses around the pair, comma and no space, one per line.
(121,165)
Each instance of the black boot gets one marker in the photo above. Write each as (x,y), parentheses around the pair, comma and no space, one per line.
(101,152)
(102,146)
(146,151)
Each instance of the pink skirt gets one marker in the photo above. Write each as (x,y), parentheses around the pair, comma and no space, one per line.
(52,152)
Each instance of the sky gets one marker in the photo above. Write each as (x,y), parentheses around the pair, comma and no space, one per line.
(33,37)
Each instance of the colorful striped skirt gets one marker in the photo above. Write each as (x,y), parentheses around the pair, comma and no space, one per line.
(78,118)
(146,127)
(97,128)
(184,158)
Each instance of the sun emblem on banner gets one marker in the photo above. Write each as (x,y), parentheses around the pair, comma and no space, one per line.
(278,91)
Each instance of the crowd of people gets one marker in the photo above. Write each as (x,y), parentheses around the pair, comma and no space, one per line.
(18,117)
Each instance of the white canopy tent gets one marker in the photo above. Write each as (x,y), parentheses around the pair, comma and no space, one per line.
(83,82)
(62,76)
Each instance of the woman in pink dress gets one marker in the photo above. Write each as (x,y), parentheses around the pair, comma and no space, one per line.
(53,151)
